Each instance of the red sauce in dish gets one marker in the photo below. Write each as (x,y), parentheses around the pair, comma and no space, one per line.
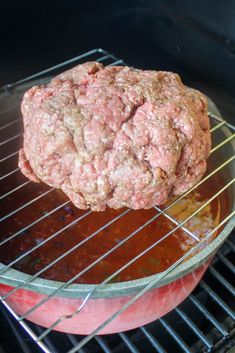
(154,261)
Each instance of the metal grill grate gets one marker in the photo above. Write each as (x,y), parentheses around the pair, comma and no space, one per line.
(200,323)
(8,156)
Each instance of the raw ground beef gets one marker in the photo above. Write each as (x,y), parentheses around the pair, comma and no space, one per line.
(115,136)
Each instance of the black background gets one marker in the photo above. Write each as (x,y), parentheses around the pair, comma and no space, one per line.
(193,38)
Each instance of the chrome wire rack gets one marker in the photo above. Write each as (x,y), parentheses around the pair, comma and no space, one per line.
(10,183)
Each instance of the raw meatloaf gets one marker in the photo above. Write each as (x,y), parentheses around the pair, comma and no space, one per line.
(115,136)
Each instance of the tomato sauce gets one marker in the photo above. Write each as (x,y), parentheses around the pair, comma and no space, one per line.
(154,261)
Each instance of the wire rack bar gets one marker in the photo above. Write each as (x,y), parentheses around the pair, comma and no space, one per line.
(10,173)
(117,62)
(128,343)
(173,220)
(26,204)
(26,328)
(103,344)
(8,109)
(227,263)
(218,126)
(212,115)
(105,57)
(13,236)
(217,299)
(20,340)
(10,139)
(175,335)
(219,326)
(154,342)
(222,280)
(232,246)
(47,341)
(222,143)
(9,124)
(55,67)
(73,339)
(9,156)
(52,68)
(15,189)
(194,328)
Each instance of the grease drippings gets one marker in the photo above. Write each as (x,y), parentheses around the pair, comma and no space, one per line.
(156,260)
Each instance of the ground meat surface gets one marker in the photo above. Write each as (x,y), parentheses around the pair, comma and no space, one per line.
(115,136)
